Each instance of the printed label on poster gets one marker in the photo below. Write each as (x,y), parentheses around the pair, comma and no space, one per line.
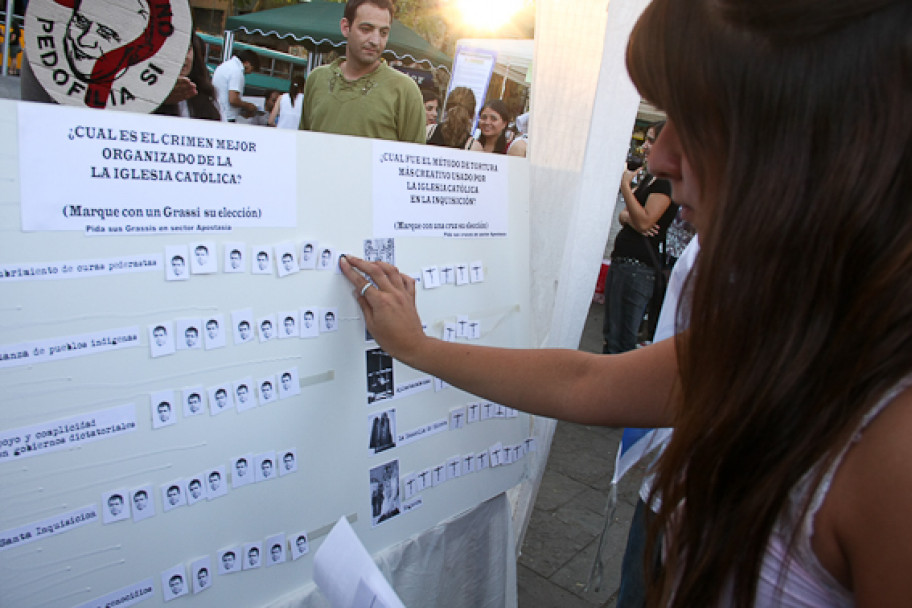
(53,349)
(438,192)
(123,173)
(40,530)
(66,433)
(423,432)
(123,598)
(80,269)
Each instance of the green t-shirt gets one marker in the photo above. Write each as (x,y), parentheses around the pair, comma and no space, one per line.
(385,104)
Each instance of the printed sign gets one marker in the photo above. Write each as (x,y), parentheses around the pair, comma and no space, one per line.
(438,192)
(117,173)
(117,54)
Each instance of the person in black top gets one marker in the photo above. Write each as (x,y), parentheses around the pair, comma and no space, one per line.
(631,279)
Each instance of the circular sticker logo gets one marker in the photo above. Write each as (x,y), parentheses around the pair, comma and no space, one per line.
(117,54)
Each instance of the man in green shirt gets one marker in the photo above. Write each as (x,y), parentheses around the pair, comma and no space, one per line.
(359,94)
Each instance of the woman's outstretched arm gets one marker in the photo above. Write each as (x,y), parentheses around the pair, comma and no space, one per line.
(631,389)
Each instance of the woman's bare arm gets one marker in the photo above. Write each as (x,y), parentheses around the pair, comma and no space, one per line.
(632,389)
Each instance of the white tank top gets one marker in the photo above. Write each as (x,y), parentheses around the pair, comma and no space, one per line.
(289,116)
(798,579)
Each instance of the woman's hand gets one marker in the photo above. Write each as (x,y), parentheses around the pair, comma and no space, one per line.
(388,304)
(183,89)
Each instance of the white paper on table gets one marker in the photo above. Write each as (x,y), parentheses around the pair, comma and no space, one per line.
(346,574)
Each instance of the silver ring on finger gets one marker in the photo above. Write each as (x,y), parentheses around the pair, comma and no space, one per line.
(367,286)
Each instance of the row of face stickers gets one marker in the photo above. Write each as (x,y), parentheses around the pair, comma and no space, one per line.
(139,503)
(168,337)
(271,551)
(452,274)
(243,394)
(459,466)
(284,259)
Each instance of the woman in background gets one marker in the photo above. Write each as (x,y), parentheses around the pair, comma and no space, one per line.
(456,129)
(493,121)
(431,106)
(199,99)
(286,114)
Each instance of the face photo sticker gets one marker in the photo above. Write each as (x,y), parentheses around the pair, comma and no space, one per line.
(242,471)
(267,389)
(203,260)
(234,260)
(262,260)
(430,277)
(188,334)
(142,503)
(287,259)
(384,492)
(308,259)
(173,496)
(229,560)
(265,466)
(214,328)
(216,483)
(244,395)
(382,427)
(266,328)
(275,550)
(289,384)
(462,273)
(288,462)
(174,582)
(161,339)
(163,411)
(476,272)
(299,545)
(176,267)
(379,375)
(201,574)
(380,250)
(326,259)
(115,506)
(194,401)
(310,325)
(195,489)
(243,324)
(329,320)
(252,556)
(221,399)
(288,324)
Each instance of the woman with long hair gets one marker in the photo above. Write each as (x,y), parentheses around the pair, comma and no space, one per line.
(286,114)
(456,129)
(789,146)
(493,120)
(201,103)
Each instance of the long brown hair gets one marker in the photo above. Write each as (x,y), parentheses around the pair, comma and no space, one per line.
(460,114)
(796,116)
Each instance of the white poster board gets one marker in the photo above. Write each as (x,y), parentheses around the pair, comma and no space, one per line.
(118,399)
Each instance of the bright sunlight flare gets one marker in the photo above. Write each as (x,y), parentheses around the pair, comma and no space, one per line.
(488,14)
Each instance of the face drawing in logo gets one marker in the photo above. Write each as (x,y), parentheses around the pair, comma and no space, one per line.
(92,35)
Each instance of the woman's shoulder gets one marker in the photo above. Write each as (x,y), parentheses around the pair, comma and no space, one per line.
(863,531)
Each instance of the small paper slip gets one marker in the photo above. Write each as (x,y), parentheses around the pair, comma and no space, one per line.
(346,574)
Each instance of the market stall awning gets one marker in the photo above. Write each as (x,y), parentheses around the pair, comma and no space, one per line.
(316,25)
